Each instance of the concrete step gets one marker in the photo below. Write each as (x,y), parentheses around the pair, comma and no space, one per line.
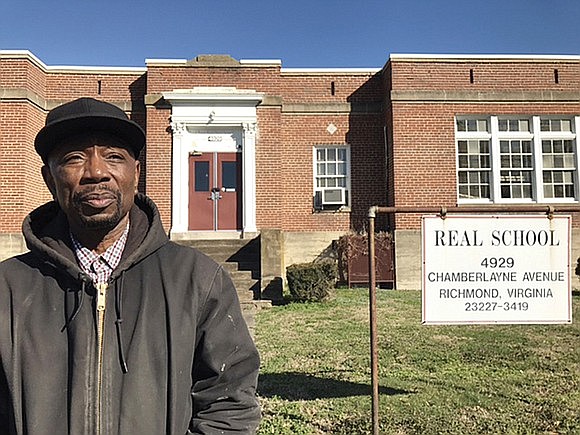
(239,257)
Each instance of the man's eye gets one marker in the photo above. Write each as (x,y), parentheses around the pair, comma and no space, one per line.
(72,158)
(116,157)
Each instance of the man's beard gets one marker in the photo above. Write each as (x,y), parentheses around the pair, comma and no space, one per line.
(97,221)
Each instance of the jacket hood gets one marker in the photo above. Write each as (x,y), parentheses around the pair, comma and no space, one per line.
(46,232)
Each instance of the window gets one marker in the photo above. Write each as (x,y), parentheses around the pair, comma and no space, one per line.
(331,177)
(517,159)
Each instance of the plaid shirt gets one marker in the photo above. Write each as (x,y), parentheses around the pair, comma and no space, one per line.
(100,267)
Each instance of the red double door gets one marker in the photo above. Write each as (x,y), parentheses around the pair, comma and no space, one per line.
(215,181)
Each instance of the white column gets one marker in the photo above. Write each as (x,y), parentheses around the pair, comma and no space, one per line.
(249,177)
(180,180)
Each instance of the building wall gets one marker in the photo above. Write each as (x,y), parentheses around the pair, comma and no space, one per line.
(297,109)
(426,95)
(398,122)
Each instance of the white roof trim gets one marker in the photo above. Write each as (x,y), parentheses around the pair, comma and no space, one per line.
(26,54)
(487,57)
(330,70)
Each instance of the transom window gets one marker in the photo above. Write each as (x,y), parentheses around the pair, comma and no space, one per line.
(517,159)
(331,176)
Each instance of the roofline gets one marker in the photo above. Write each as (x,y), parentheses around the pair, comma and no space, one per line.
(483,57)
(315,71)
(245,62)
(26,54)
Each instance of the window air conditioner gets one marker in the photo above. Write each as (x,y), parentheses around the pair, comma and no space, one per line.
(333,196)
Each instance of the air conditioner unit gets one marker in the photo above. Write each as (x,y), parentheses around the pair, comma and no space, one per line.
(333,196)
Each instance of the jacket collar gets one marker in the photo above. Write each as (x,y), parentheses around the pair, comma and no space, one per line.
(46,233)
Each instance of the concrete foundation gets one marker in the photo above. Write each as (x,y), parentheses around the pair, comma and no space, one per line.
(11,244)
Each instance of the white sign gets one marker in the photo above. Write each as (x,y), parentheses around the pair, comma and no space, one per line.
(496,269)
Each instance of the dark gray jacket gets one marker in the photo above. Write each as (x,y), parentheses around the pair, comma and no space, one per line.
(177,356)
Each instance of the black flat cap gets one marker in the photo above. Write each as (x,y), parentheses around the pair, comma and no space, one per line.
(83,116)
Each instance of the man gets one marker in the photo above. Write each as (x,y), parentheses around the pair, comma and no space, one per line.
(107,327)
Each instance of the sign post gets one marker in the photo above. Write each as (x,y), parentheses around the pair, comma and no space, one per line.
(500,269)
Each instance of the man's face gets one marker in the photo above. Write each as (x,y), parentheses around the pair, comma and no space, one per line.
(94,178)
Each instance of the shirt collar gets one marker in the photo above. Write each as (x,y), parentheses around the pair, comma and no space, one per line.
(100,267)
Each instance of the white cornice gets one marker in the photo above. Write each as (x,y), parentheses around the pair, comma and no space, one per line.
(27,55)
(483,57)
(328,71)
(201,94)
(243,62)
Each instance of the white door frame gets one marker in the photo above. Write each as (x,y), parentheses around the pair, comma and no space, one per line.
(212,119)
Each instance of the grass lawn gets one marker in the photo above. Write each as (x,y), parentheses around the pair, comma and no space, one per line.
(482,379)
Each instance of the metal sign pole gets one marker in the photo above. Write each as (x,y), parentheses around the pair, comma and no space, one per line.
(496,208)
(373,324)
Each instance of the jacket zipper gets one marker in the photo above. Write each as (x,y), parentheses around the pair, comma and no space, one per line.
(101,303)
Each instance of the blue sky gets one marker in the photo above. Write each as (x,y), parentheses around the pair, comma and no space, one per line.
(301,33)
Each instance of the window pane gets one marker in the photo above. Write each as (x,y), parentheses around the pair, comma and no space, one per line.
(331,154)
(546,146)
(473,147)
(331,169)
(471,125)
(566,125)
(482,124)
(524,125)
(342,168)
(461,125)
(526,146)
(230,176)
(545,125)
(503,125)
(321,169)
(201,176)
(462,146)
(341,154)
(321,154)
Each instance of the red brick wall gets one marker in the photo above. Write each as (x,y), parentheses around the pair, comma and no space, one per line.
(284,141)
(292,87)
(21,185)
(20,73)
(158,162)
(423,143)
(419,169)
(487,75)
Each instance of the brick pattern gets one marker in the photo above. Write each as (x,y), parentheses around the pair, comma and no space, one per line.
(423,150)
(402,152)
(492,76)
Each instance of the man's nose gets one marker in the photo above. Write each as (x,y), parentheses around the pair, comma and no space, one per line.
(96,170)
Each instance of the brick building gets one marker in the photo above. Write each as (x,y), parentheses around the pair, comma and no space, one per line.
(297,156)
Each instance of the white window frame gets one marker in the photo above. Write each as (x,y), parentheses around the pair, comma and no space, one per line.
(315,176)
(536,136)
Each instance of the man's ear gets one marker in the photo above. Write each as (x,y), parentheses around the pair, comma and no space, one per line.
(137,173)
(48,180)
